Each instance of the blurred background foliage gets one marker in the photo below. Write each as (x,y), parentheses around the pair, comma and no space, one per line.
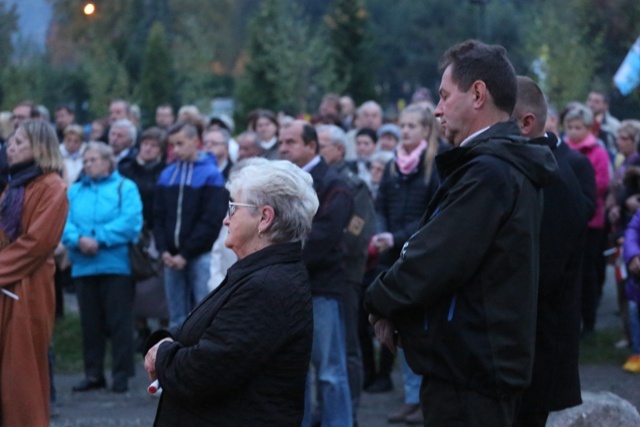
(285,54)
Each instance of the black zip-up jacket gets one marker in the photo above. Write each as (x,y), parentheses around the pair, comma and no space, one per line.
(463,293)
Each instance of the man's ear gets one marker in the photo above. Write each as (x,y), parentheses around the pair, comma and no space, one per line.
(480,93)
(527,122)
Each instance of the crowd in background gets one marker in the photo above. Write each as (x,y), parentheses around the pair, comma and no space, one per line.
(165,184)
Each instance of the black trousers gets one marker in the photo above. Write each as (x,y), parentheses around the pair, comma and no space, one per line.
(106,311)
(446,404)
(592,277)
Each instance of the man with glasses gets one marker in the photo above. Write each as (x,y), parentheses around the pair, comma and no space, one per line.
(22,112)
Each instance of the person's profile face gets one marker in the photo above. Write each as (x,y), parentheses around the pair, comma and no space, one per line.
(119,139)
(185,148)
(454,109)
(293,148)
(19,148)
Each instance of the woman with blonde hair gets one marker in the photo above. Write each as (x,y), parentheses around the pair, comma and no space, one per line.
(408,184)
(33,209)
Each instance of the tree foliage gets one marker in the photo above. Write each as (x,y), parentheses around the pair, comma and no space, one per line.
(156,82)
(351,54)
(564,56)
(294,51)
(288,67)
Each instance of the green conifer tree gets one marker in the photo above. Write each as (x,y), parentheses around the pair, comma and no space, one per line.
(156,78)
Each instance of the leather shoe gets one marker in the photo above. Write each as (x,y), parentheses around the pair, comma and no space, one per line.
(415,418)
(87,384)
(400,416)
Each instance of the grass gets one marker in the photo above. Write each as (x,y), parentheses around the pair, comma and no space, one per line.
(600,349)
(67,344)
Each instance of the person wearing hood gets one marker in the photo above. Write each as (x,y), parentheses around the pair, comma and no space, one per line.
(462,295)
(189,207)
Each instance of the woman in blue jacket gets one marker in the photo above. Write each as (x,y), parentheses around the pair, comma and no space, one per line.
(105,215)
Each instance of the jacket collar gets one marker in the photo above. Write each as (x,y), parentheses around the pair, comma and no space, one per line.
(277,253)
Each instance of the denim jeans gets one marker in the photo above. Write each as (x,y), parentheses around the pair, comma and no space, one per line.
(412,381)
(187,287)
(634,326)
(328,357)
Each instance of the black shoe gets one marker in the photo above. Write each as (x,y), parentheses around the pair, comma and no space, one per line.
(381,385)
(87,384)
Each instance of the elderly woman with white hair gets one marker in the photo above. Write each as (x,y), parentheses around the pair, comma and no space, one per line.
(242,355)
(578,121)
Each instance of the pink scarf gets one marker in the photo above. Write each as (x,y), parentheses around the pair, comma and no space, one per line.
(588,141)
(407,162)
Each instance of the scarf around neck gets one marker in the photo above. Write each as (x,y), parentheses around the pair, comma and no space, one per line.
(408,162)
(11,208)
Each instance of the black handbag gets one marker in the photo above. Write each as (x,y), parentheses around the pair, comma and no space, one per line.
(143,265)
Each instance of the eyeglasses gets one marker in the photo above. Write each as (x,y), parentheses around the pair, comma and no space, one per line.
(232,207)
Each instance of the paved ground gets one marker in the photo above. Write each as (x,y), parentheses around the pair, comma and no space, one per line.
(137,408)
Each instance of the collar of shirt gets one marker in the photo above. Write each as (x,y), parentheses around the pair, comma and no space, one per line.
(311,164)
(473,135)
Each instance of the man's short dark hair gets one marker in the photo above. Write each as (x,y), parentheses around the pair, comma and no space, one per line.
(473,60)
(34,113)
(189,129)
(310,135)
(65,107)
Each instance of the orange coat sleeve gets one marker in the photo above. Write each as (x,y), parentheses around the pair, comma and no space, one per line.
(43,217)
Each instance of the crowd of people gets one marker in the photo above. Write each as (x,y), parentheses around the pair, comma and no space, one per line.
(290,258)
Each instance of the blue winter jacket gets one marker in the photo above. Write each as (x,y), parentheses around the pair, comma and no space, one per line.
(189,206)
(110,211)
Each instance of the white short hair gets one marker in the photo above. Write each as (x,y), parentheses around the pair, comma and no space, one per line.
(283,186)
(129,126)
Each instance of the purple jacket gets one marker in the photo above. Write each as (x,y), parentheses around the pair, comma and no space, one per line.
(631,250)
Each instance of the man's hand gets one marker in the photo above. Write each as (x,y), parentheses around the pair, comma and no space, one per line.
(88,245)
(385,332)
(150,359)
(383,241)
(167,259)
(179,262)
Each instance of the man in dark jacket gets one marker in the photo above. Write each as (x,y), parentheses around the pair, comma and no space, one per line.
(463,293)
(555,383)
(323,257)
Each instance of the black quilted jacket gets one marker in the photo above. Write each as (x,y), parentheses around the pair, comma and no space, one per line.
(242,355)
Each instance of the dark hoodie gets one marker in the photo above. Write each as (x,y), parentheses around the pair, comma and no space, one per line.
(463,293)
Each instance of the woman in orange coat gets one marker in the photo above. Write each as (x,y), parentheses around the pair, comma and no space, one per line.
(33,210)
